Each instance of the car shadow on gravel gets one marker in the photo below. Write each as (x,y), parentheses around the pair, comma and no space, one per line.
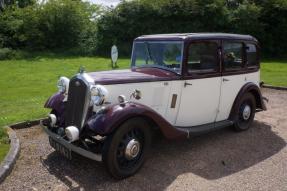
(212,156)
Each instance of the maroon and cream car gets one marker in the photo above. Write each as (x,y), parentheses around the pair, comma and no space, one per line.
(179,84)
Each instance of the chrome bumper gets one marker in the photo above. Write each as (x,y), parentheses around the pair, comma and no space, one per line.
(70,146)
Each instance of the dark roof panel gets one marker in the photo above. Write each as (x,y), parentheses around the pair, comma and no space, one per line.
(184,36)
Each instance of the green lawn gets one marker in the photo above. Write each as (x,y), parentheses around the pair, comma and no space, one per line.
(274,72)
(26,84)
(4,148)
(4,143)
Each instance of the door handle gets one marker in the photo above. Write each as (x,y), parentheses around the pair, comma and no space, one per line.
(225,79)
(187,84)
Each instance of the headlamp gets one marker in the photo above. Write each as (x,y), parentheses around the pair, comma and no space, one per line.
(63,84)
(98,94)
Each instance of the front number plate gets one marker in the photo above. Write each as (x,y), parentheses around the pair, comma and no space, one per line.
(60,148)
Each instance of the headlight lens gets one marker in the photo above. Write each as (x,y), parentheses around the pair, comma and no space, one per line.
(94,91)
(63,84)
(98,94)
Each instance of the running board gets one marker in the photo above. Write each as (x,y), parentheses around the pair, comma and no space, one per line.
(202,129)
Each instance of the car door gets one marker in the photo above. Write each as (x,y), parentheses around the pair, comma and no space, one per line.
(201,86)
(233,75)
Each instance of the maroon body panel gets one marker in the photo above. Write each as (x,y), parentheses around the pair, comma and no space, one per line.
(115,115)
(55,102)
(135,75)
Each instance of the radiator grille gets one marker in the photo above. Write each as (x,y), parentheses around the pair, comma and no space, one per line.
(78,102)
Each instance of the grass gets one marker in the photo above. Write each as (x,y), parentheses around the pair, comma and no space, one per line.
(26,84)
(4,148)
(4,143)
(274,72)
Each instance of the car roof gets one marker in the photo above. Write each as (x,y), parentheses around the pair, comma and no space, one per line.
(196,36)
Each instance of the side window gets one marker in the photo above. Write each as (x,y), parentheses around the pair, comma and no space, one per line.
(251,55)
(232,55)
(202,57)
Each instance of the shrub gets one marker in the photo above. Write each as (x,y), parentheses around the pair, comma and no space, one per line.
(6,53)
(54,25)
(266,20)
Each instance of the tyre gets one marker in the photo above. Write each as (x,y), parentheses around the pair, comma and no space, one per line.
(245,112)
(125,151)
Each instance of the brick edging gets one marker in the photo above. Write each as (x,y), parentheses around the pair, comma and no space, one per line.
(274,87)
(26,124)
(8,163)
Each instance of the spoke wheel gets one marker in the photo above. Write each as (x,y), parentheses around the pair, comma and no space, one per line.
(125,151)
(130,149)
(245,113)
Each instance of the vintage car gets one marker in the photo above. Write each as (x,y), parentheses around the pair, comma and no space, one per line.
(181,85)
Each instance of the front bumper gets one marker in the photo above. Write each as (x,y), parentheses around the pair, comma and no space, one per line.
(71,146)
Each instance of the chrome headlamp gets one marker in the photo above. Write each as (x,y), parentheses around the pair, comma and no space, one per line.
(63,84)
(98,94)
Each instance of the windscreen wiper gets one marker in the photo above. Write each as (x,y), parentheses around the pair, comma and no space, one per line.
(149,57)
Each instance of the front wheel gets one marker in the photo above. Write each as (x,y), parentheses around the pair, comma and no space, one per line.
(125,151)
(245,113)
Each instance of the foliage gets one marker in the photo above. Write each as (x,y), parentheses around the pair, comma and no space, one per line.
(19,28)
(274,17)
(18,3)
(266,20)
(54,25)
(6,53)
(78,27)
(62,22)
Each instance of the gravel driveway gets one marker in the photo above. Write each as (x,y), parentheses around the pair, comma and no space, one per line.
(222,160)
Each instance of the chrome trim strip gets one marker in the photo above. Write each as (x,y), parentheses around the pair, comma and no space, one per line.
(80,151)
(87,98)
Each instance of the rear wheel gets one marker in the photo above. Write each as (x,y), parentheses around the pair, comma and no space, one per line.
(245,113)
(125,151)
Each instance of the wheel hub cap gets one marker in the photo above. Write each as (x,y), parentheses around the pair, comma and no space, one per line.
(132,149)
(246,112)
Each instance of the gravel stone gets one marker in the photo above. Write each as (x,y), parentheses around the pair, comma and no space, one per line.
(222,160)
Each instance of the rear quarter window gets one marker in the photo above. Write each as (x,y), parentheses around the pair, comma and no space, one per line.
(251,55)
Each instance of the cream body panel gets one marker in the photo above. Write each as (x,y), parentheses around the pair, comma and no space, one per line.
(153,94)
(199,102)
(230,89)
(172,113)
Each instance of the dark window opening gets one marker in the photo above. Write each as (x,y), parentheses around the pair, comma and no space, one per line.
(203,58)
(251,55)
(232,55)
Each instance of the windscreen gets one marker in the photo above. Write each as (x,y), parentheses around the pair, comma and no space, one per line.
(161,54)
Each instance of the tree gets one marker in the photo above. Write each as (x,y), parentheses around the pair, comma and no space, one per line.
(63,21)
